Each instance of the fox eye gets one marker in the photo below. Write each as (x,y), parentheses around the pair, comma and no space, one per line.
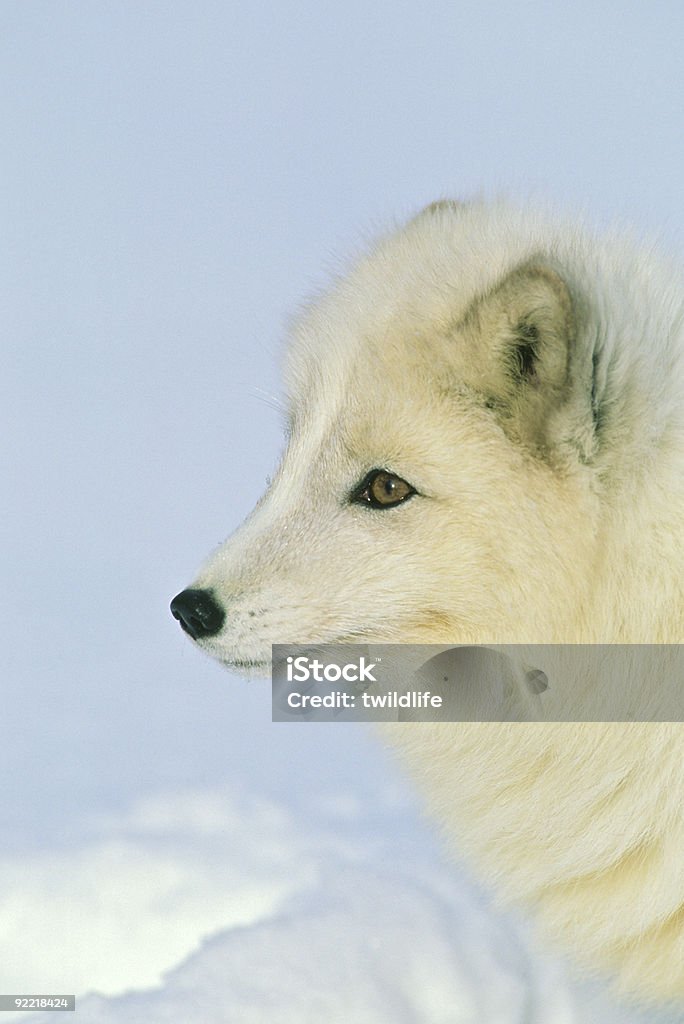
(381,489)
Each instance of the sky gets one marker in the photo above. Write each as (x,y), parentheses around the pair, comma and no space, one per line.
(176,179)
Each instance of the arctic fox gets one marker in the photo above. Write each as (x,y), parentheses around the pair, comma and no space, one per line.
(486,445)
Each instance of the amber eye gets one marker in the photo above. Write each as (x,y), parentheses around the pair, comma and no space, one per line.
(381,489)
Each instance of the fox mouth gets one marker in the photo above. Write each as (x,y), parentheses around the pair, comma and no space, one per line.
(248,664)
(264,665)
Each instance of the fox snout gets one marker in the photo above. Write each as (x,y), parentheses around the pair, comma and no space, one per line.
(198,612)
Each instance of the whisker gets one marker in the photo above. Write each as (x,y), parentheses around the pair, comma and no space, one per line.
(265,396)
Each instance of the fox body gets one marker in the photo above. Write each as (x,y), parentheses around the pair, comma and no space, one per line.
(486,446)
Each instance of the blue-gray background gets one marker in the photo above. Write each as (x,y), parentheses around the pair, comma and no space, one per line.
(176,177)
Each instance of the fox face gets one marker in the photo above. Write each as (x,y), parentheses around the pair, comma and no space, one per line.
(436,465)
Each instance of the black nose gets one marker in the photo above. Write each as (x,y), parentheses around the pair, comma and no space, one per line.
(198,612)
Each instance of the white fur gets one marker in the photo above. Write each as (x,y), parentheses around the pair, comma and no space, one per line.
(538,520)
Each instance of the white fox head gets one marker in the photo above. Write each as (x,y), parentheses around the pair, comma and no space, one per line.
(437,481)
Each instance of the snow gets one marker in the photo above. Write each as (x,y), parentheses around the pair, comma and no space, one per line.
(221,905)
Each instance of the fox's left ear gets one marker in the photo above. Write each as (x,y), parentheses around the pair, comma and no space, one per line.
(522,339)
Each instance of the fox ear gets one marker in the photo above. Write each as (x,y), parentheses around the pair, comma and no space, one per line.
(521,340)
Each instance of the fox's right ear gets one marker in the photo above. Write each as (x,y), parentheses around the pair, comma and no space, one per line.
(524,361)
